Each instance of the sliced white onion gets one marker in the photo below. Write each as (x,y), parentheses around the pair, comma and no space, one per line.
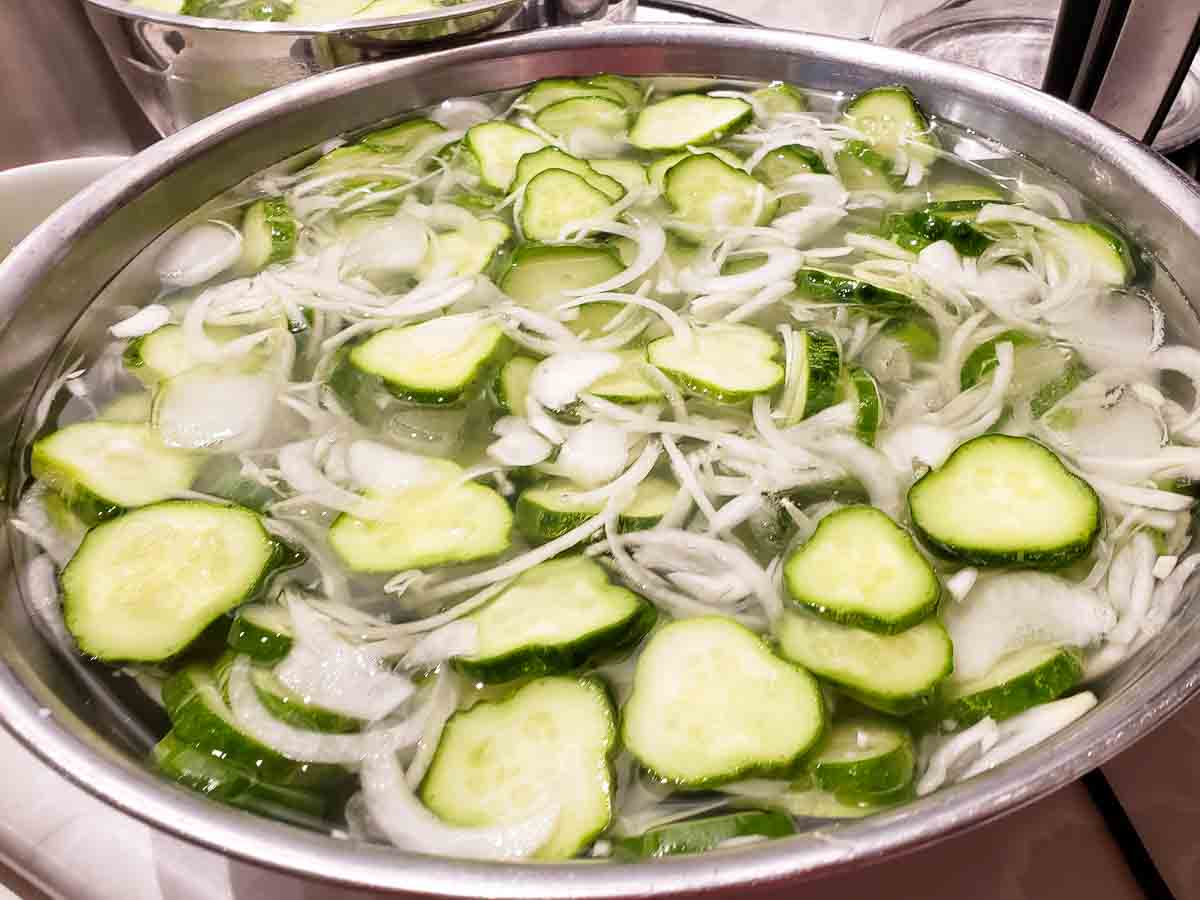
(392,247)
(947,755)
(518,444)
(1031,727)
(593,453)
(382,468)
(960,583)
(459,113)
(202,252)
(457,638)
(442,705)
(651,242)
(215,411)
(146,320)
(559,380)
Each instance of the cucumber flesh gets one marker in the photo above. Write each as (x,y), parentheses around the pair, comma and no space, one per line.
(862,168)
(549,91)
(498,148)
(403,138)
(539,276)
(1112,260)
(628,384)
(864,757)
(163,354)
(598,113)
(861,389)
(629,174)
(512,385)
(296,710)
(728,363)
(893,120)
(704,192)
(532,164)
(554,199)
(689,120)
(262,632)
(708,833)
(1019,681)
(779,98)
(269,232)
(657,171)
(547,510)
(629,91)
(469,250)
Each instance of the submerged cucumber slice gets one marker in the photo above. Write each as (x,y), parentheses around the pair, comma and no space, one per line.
(689,120)
(628,384)
(897,674)
(862,168)
(296,710)
(628,90)
(269,233)
(539,276)
(598,113)
(705,708)
(779,97)
(861,389)
(657,170)
(163,354)
(815,371)
(1112,260)
(892,120)
(497,148)
(708,833)
(1005,501)
(558,616)
(470,250)
(918,229)
(549,91)
(860,568)
(629,174)
(532,164)
(729,363)
(1043,372)
(512,384)
(434,362)
(103,468)
(863,758)
(144,585)
(550,742)
(831,287)
(704,192)
(262,632)
(1020,680)
(548,510)
(403,138)
(554,199)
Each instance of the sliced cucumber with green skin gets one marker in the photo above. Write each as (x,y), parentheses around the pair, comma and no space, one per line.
(658,169)
(1043,372)
(245,11)
(779,97)
(708,833)
(976,192)
(469,250)
(512,385)
(815,372)
(295,710)
(689,120)
(728,363)
(163,354)
(628,384)
(200,718)
(1005,501)
(539,275)
(261,631)
(832,287)
(631,175)
(558,616)
(920,338)
(435,362)
(402,138)
(860,568)
(892,120)
(497,148)
(219,779)
(599,113)
(548,510)
(532,164)
(864,757)
(628,90)
(706,701)
(222,477)
(269,233)
(784,162)
(1020,680)
(554,199)
(549,91)
(897,674)
(861,389)
(102,469)
(501,762)
(132,408)
(705,192)
(862,168)
(916,230)
(142,587)
(428,525)
(1112,260)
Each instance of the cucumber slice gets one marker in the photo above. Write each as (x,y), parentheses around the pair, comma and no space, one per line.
(163,354)
(728,363)
(222,477)
(102,469)
(201,719)
(689,120)
(629,91)
(1020,680)
(918,337)
(554,199)
(402,139)
(550,742)
(861,389)
(816,369)
(598,113)
(705,192)
(262,632)
(706,702)
(1005,501)
(629,174)
(539,276)
(863,758)
(144,586)
(832,287)
(975,192)
(862,168)
(708,833)
(497,148)
(860,568)
(268,235)
(784,162)
(778,97)
(188,412)
(296,710)
(892,120)
(897,674)
(1112,260)
(470,250)
(628,384)
(427,525)
(1043,372)
(658,169)
(130,409)
(918,229)
(512,384)
(549,91)
(558,616)
(244,11)
(219,779)
(532,164)
(435,362)
(548,510)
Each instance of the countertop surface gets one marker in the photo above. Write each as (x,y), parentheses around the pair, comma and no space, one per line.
(1125,833)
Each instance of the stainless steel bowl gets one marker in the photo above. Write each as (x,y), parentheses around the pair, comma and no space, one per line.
(70,716)
(181,68)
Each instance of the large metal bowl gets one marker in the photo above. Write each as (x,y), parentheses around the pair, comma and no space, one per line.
(69,715)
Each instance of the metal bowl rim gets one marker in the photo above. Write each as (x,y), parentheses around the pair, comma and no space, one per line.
(1087,743)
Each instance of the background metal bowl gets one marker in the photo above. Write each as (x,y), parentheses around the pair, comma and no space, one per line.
(72,716)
